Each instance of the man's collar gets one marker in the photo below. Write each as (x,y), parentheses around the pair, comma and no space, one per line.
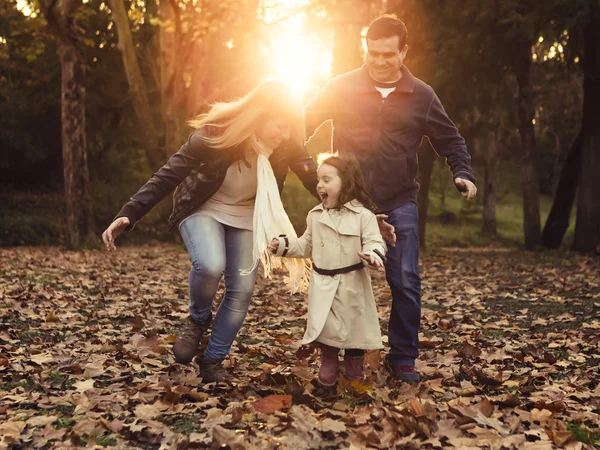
(404,84)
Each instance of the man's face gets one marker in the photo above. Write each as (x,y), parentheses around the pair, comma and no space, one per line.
(384,58)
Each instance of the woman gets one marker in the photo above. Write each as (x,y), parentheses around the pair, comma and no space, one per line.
(216,174)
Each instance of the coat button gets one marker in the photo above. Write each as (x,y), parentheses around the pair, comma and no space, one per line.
(336,243)
(322,244)
(336,277)
(322,277)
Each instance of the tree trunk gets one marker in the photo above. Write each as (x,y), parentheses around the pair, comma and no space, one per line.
(347,40)
(137,85)
(171,79)
(587,227)
(489,187)
(558,219)
(426,160)
(529,161)
(61,21)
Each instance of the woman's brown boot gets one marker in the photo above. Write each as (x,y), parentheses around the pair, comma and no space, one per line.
(188,338)
(211,369)
(329,365)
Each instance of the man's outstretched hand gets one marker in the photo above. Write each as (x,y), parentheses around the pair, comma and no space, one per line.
(467,188)
(386,229)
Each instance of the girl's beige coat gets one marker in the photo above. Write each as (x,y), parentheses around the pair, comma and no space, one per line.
(341,308)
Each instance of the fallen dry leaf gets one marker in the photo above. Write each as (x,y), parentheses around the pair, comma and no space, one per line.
(509,356)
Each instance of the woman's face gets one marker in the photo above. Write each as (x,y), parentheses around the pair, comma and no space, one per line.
(274,131)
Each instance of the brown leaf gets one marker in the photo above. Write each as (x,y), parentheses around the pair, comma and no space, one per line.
(332,425)
(416,408)
(40,421)
(560,438)
(12,429)
(510,401)
(550,358)
(486,408)
(223,437)
(303,372)
(305,351)
(137,323)
(51,317)
(272,403)
(468,350)
(373,359)
(485,379)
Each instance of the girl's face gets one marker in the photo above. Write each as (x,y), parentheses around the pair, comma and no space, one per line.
(329,186)
(274,131)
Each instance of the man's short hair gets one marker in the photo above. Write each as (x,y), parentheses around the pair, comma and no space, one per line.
(387,26)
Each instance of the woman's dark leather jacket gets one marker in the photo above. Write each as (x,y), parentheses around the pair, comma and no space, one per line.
(197,172)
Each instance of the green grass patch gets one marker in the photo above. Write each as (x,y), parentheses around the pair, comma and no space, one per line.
(64,422)
(183,423)
(106,440)
(584,434)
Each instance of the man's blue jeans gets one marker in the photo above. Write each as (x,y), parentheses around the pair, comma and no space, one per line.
(218,250)
(402,273)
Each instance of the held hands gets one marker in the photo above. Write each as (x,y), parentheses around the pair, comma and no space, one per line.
(373,263)
(386,229)
(111,233)
(467,188)
(274,245)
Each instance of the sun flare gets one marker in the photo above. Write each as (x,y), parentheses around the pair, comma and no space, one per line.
(298,57)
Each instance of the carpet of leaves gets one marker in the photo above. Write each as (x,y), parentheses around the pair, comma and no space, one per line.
(510,356)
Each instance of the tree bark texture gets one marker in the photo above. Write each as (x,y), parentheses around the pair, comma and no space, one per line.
(529,160)
(587,226)
(172,86)
(61,21)
(560,213)
(490,152)
(137,86)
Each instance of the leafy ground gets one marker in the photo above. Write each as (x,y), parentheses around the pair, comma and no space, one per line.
(510,359)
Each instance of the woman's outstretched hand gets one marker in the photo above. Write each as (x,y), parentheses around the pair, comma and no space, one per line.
(373,262)
(274,245)
(111,233)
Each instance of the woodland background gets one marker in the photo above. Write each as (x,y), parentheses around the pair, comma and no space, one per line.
(519,78)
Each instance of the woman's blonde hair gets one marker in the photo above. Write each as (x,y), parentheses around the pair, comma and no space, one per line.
(236,121)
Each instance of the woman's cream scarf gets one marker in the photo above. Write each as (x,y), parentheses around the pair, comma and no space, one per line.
(270,220)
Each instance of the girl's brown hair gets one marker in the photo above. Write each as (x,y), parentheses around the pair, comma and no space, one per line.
(353,183)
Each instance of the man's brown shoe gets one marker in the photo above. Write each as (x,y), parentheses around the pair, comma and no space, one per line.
(188,338)
(211,369)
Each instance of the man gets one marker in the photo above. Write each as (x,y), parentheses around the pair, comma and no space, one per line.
(380,113)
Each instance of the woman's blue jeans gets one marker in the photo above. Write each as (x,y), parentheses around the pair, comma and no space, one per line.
(218,250)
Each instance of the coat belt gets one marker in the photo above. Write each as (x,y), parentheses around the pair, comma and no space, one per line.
(341,270)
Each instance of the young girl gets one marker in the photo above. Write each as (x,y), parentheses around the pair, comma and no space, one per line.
(341,236)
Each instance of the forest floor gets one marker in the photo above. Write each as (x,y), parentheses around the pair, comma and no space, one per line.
(510,358)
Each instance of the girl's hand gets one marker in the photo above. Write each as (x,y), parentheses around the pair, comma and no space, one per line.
(372,261)
(274,245)
(111,233)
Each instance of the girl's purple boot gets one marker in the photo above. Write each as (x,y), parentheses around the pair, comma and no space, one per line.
(329,365)
(354,367)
